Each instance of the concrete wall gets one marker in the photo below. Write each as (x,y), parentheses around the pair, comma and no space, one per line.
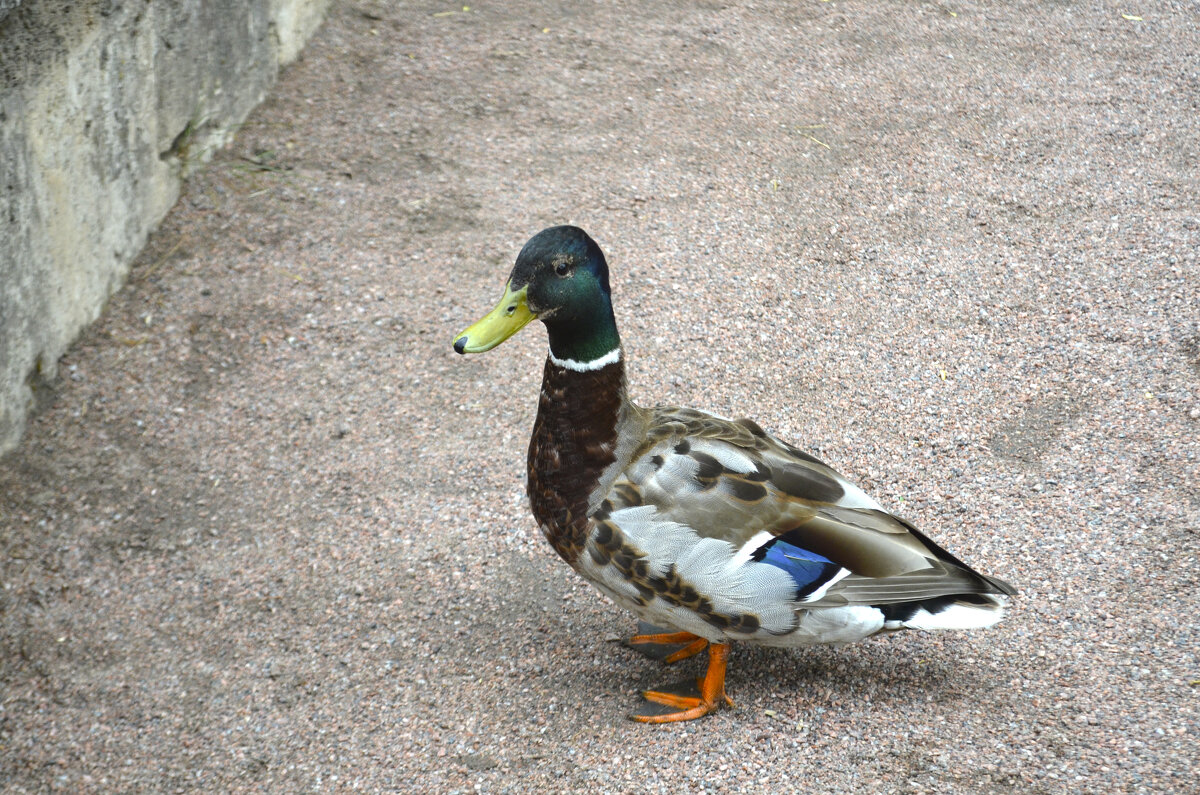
(104,107)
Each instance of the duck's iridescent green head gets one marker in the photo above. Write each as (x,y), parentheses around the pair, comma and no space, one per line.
(561,278)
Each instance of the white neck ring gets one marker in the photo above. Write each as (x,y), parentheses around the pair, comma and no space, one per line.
(586,367)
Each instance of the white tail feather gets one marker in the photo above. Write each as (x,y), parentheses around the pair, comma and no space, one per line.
(957,616)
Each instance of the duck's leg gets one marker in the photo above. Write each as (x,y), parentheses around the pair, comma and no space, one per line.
(695,644)
(712,692)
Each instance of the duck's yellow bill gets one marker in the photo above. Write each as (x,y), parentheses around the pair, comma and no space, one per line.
(510,316)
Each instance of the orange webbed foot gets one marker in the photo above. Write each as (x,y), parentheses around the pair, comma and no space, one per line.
(695,644)
(712,692)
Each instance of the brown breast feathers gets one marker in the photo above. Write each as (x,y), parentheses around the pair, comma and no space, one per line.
(574,439)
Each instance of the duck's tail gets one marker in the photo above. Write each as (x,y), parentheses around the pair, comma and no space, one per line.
(965,611)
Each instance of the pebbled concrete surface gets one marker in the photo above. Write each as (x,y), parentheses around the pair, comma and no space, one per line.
(269,533)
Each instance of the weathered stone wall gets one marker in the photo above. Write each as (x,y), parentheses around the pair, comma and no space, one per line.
(104,107)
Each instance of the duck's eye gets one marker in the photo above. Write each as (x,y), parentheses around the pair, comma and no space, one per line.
(561,269)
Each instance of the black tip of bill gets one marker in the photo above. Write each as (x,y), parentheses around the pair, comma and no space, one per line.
(460,345)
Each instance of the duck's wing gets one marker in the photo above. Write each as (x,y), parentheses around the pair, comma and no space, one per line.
(746,497)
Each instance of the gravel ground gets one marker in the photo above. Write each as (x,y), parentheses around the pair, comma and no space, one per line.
(269,533)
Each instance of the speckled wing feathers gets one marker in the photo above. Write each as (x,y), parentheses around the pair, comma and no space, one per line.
(730,481)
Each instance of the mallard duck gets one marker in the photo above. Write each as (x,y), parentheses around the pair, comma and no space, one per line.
(709,528)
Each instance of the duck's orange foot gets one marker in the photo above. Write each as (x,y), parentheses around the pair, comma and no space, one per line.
(695,645)
(712,693)
(688,707)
